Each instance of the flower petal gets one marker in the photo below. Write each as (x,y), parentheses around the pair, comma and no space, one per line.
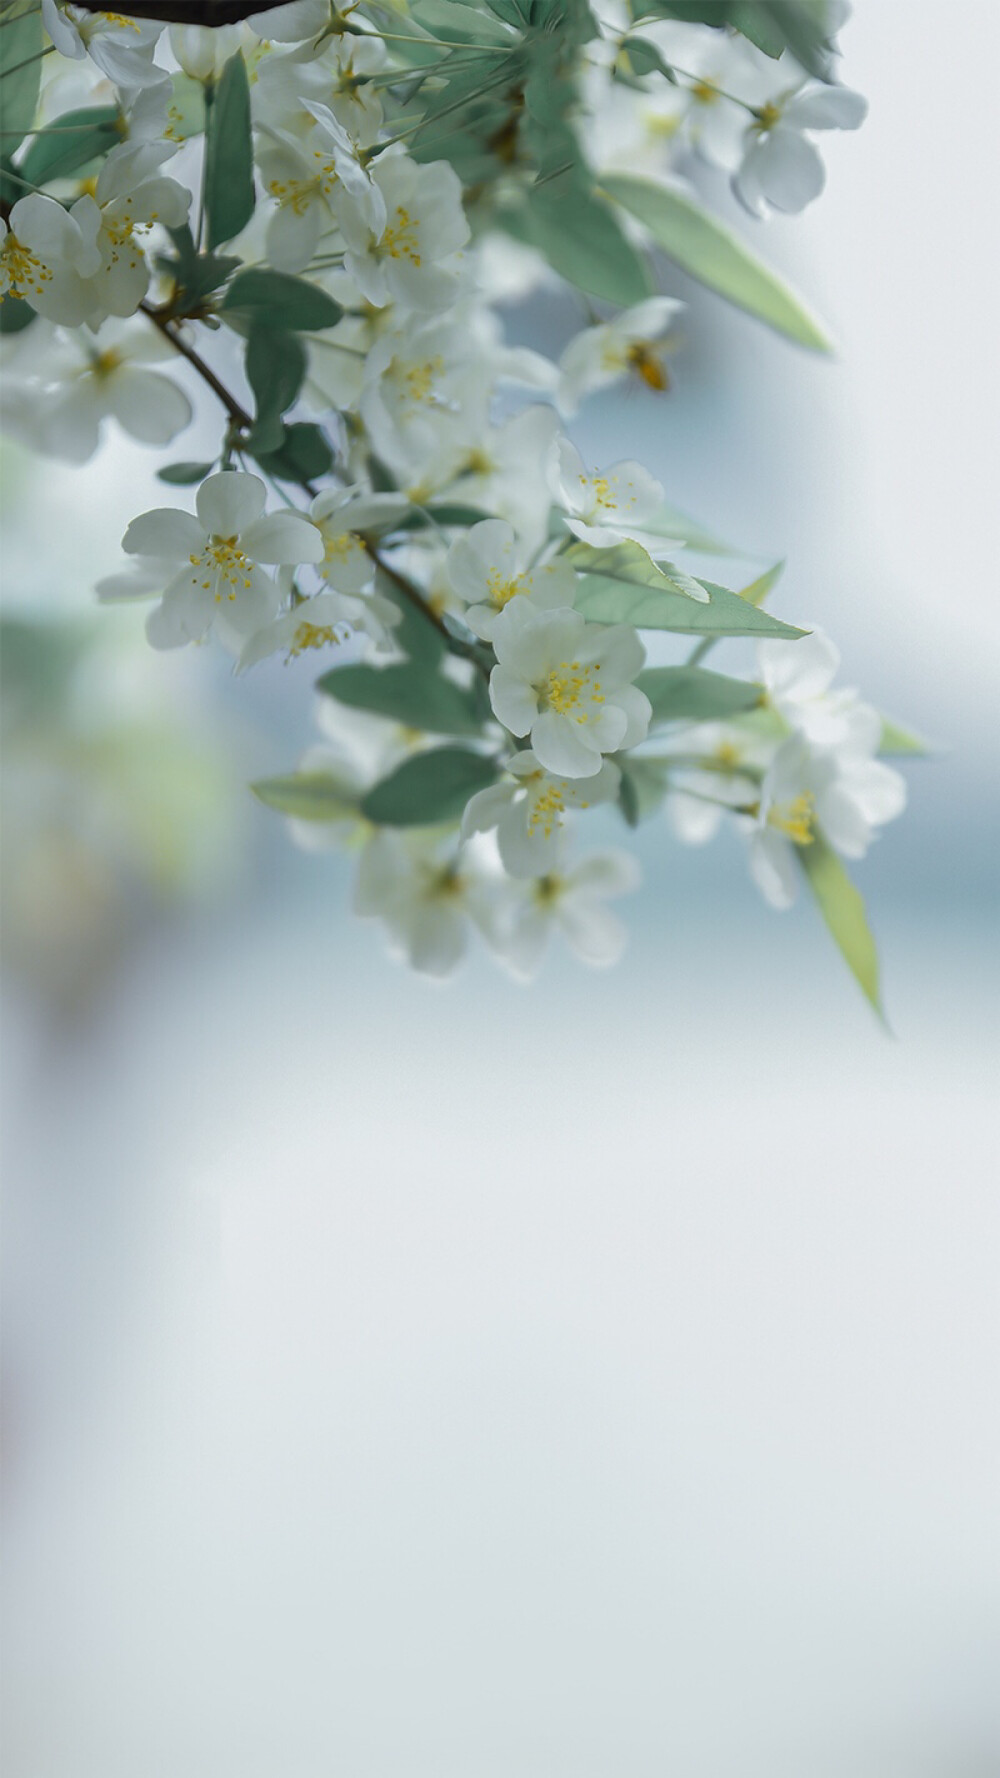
(230,501)
(164,532)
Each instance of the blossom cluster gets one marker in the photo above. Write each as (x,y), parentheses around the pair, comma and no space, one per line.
(320,216)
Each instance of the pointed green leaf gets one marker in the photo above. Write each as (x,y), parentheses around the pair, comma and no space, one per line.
(308,796)
(20,70)
(582,240)
(275,367)
(691,694)
(844,913)
(709,251)
(184,475)
(407,693)
(78,137)
(757,591)
(260,298)
(622,586)
(229,186)
(428,788)
(901,741)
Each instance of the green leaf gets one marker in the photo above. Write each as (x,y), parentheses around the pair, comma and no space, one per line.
(582,240)
(15,315)
(428,788)
(692,694)
(302,455)
(901,741)
(275,367)
(451,20)
(609,599)
(416,633)
(184,475)
(630,563)
(77,137)
(407,693)
(229,187)
(752,19)
(258,298)
(447,514)
(757,591)
(669,522)
(707,250)
(20,70)
(643,786)
(308,796)
(844,912)
(645,58)
(195,274)
(803,26)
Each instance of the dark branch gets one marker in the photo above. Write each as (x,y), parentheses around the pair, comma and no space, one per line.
(187,12)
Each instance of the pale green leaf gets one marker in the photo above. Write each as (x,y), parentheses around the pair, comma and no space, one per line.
(622,585)
(408,693)
(429,788)
(692,694)
(901,741)
(843,910)
(20,71)
(757,591)
(229,184)
(308,796)
(709,251)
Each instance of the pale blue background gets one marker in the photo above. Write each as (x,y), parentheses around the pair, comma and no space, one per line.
(489,1383)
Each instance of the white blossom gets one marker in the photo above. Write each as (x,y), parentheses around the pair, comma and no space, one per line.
(426,897)
(572,902)
(315,185)
(844,796)
(630,345)
(567,683)
(602,506)
(222,582)
(202,51)
(79,380)
(411,259)
(528,807)
(121,47)
(781,168)
(484,568)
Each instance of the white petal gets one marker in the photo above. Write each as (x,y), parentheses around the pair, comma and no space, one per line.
(772,867)
(230,501)
(593,931)
(164,532)
(150,407)
(559,744)
(282,537)
(514,702)
(827,108)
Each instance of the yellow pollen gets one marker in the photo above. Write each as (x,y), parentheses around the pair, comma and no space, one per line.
(766,118)
(648,365)
(568,684)
(291,194)
(106,362)
(340,547)
(604,489)
(704,92)
(727,754)
(501,590)
(546,810)
(25,272)
(401,241)
(419,378)
(796,818)
(119,18)
(226,564)
(311,636)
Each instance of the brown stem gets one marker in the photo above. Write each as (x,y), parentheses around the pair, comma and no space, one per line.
(237,414)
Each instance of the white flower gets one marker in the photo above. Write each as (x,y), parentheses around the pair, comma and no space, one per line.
(425,896)
(311,624)
(501,474)
(798,677)
(338,77)
(316,184)
(358,749)
(527,809)
(203,52)
(483,570)
(571,902)
(298,22)
(567,683)
(627,346)
(221,583)
(844,796)
(408,261)
(781,168)
(607,505)
(700,794)
(344,517)
(121,47)
(45,258)
(81,381)
(426,392)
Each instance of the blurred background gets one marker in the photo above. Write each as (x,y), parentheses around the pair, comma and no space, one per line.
(594,1378)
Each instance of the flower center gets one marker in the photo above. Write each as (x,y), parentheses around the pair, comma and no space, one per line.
(311,636)
(402,240)
(119,18)
(766,118)
(568,685)
(648,365)
(604,493)
(25,272)
(293,194)
(227,565)
(547,807)
(704,92)
(418,379)
(502,590)
(796,819)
